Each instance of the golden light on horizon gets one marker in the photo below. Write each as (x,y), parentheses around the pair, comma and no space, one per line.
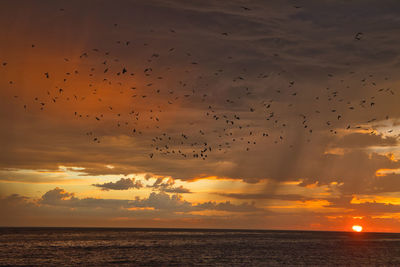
(357,228)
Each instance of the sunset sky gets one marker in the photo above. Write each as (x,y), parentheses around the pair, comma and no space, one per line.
(200,114)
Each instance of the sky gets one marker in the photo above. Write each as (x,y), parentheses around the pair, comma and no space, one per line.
(200,114)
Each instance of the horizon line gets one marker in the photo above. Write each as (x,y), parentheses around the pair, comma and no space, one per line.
(190,229)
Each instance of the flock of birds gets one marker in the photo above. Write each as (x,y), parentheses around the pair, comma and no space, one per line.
(150,101)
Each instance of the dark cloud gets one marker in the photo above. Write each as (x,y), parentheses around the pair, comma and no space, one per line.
(57,196)
(168,186)
(121,184)
(177,190)
(370,208)
(255,196)
(228,206)
(362,140)
(356,170)
(302,66)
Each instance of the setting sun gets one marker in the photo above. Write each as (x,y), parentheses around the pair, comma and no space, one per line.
(357,228)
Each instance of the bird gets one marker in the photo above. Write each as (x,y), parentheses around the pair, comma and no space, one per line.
(358,36)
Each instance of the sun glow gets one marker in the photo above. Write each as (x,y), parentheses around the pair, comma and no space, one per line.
(357,228)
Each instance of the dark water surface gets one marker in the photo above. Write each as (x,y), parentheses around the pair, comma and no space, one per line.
(178,247)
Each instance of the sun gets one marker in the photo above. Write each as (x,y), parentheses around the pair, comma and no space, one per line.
(357,228)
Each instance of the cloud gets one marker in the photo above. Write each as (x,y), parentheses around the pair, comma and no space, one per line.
(363,140)
(56,196)
(157,200)
(59,207)
(300,65)
(168,186)
(355,169)
(294,34)
(163,201)
(177,190)
(369,208)
(289,197)
(122,184)
(15,199)
(228,206)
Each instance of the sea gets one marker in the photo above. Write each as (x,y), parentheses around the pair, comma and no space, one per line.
(194,247)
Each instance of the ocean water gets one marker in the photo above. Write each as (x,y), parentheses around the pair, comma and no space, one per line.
(179,247)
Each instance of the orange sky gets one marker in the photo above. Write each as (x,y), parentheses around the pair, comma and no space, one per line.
(175,114)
